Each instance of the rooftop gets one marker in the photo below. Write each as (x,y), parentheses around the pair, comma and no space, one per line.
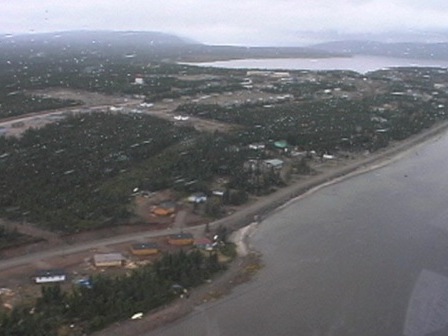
(107,257)
(49,273)
(181,236)
(144,246)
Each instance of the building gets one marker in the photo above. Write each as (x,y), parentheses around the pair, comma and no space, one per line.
(258,73)
(257,146)
(275,164)
(108,259)
(281,144)
(165,209)
(197,198)
(144,249)
(49,276)
(181,239)
(139,80)
(280,74)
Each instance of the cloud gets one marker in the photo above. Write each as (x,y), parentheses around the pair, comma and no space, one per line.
(248,22)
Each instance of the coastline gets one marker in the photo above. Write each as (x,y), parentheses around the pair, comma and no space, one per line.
(242,225)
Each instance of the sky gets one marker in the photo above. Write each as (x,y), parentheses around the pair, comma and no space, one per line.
(231,22)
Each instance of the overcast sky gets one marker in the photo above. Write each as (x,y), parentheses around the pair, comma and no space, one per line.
(240,22)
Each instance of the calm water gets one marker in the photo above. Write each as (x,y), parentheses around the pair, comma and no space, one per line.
(360,64)
(344,260)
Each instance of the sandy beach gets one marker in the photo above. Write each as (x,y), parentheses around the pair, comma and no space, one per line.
(245,266)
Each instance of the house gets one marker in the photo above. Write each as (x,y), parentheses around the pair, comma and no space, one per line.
(181,239)
(144,249)
(275,164)
(49,276)
(257,146)
(108,259)
(139,80)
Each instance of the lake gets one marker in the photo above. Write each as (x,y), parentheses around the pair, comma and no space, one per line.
(361,64)
(366,256)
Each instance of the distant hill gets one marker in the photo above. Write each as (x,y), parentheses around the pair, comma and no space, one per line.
(417,50)
(139,46)
(86,37)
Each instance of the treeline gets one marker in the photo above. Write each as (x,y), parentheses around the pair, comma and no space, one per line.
(19,103)
(110,299)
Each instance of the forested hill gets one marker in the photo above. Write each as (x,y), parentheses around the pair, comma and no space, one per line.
(94,38)
(134,46)
(417,50)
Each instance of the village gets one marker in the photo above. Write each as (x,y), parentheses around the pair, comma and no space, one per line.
(176,163)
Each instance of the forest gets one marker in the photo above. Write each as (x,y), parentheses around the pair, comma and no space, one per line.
(82,309)
(79,173)
(57,176)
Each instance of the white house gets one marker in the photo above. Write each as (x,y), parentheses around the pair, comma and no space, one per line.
(49,276)
(139,80)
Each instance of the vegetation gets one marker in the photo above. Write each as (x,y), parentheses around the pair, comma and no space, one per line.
(62,176)
(11,237)
(79,173)
(18,103)
(110,299)
(331,124)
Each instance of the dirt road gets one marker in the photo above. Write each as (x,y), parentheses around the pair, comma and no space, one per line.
(260,208)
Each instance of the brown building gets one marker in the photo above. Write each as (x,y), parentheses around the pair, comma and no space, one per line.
(181,239)
(144,249)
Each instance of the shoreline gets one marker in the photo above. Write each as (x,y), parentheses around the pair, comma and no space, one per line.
(242,225)
(266,205)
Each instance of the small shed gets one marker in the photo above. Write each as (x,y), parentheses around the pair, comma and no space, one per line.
(108,259)
(181,239)
(49,276)
(144,249)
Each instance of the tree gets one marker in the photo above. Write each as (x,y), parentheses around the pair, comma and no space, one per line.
(213,207)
